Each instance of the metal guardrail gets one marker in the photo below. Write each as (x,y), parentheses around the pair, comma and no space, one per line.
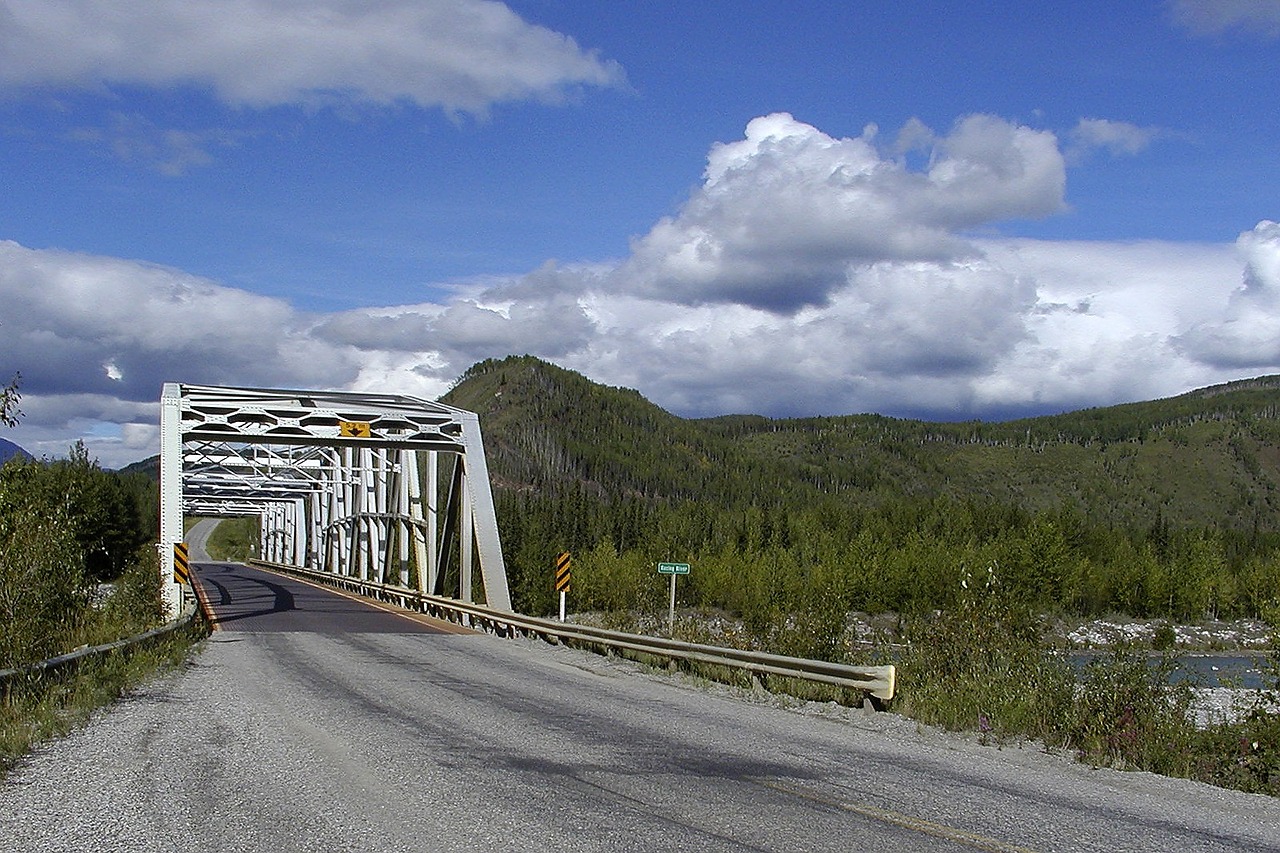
(876,682)
(73,659)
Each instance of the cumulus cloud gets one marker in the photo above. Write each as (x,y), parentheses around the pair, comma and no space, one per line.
(541,312)
(1248,335)
(807,275)
(783,214)
(462,55)
(1213,17)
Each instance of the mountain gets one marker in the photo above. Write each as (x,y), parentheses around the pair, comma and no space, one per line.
(8,449)
(149,467)
(1207,458)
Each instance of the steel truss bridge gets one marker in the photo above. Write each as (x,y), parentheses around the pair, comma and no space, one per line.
(343,483)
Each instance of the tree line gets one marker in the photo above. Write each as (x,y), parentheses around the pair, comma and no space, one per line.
(75,566)
(908,555)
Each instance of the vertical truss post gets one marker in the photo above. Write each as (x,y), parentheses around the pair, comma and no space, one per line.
(484,516)
(431,506)
(403,525)
(350,517)
(298,524)
(422,525)
(171,530)
(314,557)
(378,521)
(466,535)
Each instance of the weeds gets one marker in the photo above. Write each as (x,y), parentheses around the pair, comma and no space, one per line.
(1127,714)
(986,667)
(1246,755)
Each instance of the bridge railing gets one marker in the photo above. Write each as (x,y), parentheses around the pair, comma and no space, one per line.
(877,682)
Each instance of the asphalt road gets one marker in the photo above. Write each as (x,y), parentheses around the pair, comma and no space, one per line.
(311,721)
(198,539)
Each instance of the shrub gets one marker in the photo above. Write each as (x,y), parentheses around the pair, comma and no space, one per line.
(984,665)
(134,604)
(1128,714)
(42,590)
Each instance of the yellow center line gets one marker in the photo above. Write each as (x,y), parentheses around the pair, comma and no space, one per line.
(916,824)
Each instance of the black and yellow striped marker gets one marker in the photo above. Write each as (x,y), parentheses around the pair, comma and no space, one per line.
(563,562)
(181,563)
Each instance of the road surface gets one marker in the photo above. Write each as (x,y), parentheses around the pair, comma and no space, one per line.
(311,721)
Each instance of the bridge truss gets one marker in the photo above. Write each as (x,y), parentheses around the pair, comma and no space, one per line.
(341,482)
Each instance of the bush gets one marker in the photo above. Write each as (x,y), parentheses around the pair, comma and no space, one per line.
(1247,755)
(134,605)
(1244,755)
(63,526)
(1128,714)
(42,591)
(983,665)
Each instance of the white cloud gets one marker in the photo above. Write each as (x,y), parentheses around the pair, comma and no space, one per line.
(1106,322)
(902,312)
(1212,17)
(462,55)
(1248,334)
(169,151)
(83,324)
(1115,137)
(784,213)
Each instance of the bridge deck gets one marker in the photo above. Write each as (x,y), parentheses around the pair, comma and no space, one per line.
(243,598)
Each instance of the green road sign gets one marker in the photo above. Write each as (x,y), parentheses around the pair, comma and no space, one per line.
(673,568)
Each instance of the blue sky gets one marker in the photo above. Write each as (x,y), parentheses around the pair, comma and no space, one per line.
(917,208)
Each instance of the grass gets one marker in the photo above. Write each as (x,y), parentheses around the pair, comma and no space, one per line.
(234,539)
(36,709)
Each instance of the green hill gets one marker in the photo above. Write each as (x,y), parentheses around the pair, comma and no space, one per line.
(1160,508)
(1166,507)
(1207,458)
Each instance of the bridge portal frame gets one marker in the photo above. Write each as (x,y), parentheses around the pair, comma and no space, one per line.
(341,482)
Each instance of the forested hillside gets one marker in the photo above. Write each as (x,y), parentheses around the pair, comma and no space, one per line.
(1164,508)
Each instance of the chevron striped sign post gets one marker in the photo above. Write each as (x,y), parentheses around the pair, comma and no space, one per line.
(563,562)
(181,563)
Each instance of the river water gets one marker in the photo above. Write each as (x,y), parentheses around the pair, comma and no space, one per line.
(1249,671)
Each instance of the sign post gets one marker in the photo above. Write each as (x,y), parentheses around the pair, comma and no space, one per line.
(672,569)
(563,563)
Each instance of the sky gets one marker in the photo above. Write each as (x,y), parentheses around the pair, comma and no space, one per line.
(912,207)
